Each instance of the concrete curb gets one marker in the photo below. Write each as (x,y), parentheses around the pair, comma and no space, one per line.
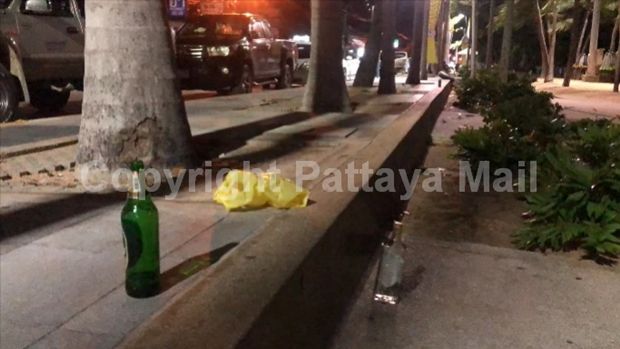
(35,147)
(288,285)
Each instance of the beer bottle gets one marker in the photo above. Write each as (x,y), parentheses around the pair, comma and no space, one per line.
(140,222)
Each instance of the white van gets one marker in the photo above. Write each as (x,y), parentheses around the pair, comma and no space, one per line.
(42,48)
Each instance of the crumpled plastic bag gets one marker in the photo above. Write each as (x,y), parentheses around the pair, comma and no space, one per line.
(245,190)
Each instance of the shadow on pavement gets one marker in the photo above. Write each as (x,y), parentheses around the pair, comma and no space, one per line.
(32,217)
(192,266)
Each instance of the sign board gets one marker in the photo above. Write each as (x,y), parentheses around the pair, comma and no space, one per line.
(177,8)
(212,7)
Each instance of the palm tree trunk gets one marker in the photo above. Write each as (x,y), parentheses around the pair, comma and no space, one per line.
(326,90)
(574,37)
(592,72)
(387,84)
(367,71)
(617,77)
(614,33)
(552,43)
(132,105)
(582,37)
(413,78)
(490,30)
(542,41)
(474,37)
(504,62)
(424,61)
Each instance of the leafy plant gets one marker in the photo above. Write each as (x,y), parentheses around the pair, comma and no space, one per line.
(481,93)
(578,206)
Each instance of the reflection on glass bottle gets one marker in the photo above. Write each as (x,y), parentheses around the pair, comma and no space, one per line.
(390,273)
(140,222)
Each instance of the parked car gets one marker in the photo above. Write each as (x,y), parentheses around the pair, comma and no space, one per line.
(230,53)
(41,51)
(350,64)
(401,62)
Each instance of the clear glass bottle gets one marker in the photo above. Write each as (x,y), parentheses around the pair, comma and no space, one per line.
(389,276)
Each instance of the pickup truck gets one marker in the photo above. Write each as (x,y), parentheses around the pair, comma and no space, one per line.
(41,53)
(230,53)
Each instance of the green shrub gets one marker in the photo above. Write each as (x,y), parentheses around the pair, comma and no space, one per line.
(578,203)
(577,206)
(480,94)
(516,130)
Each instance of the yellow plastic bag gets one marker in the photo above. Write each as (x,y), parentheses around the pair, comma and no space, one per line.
(246,190)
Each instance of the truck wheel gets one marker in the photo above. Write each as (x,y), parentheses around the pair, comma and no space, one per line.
(286,77)
(246,81)
(8,99)
(47,99)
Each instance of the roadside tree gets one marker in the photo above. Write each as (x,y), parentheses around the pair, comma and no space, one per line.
(132,107)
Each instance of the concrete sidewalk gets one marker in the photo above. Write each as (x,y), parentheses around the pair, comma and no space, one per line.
(466,286)
(61,284)
(27,136)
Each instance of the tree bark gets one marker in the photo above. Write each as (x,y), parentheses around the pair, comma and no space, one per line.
(574,37)
(367,71)
(592,58)
(490,30)
(542,41)
(132,105)
(387,84)
(614,33)
(326,90)
(474,37)
(617,77)
(552,43)
(413,78)
(507,41)
(582,37)
(424,61)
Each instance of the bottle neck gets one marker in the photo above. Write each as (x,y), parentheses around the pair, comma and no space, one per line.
(136,186)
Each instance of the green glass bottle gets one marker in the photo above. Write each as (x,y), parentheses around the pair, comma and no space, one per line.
(140,222)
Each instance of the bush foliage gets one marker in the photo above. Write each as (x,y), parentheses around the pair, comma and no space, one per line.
(578,202)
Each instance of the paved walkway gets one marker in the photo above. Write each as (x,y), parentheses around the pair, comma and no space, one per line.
(465,286)
(62,263)
(584,99)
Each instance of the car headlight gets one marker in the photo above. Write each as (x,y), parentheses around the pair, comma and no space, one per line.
(218,50)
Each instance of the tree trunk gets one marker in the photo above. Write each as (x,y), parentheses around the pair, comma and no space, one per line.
(552,43)
(424,61)
(504,62)
(582,37)
(367,70)
(474,37)
(542,41)
(132,106)
(413,78)
(574,37)
(387,84)
(546,72)
(592,58)
(490,30)
(617,77)
(326,90)
(614,33)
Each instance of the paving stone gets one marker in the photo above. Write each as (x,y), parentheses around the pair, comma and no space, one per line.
(17,336)
(46,286)
(69,339)
(117,314)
